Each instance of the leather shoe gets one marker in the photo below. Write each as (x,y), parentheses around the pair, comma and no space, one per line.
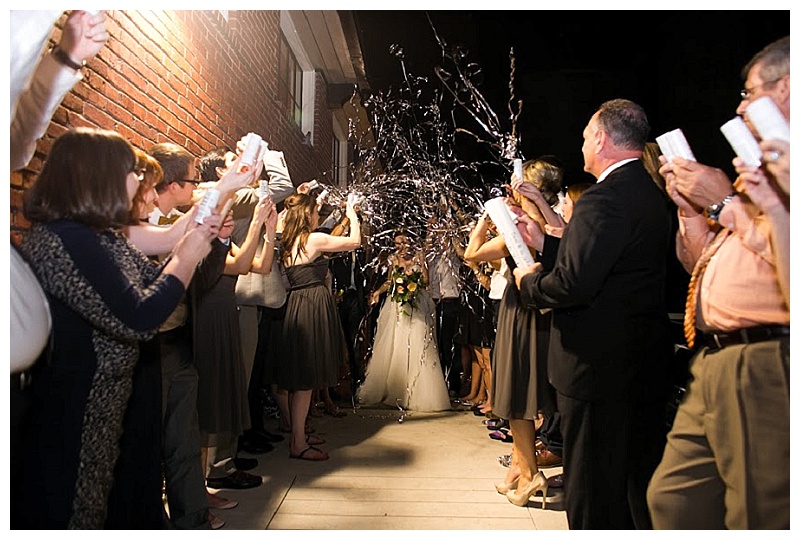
(247,444)
(546,459)
(245,463)
(556,481)
(235,480)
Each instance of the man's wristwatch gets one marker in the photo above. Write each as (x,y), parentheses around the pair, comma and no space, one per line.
(63,58)
(714,210)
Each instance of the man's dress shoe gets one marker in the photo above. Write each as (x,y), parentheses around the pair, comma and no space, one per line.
(235,480)
(546,459)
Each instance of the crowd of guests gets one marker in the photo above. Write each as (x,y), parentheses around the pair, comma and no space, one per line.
(166,325)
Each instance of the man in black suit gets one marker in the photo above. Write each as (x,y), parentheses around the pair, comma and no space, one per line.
(610,351)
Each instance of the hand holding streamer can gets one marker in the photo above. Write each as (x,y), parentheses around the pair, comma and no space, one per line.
(767,119)
(251,152)
(742,141)
(674,144)
(501,216)
(209,202)
(518,169)
(263,189)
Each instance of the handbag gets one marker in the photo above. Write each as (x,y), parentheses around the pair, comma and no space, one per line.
(269,290)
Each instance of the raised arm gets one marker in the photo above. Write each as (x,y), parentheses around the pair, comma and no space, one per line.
(326,243)
(240,258)
(262,263)
(479,249)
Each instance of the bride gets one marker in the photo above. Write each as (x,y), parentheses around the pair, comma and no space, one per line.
(404,369)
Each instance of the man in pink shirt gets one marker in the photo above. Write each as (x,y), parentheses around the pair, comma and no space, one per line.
(726,464)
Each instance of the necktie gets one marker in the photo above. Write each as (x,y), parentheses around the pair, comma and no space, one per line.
(168,220)
(690,314)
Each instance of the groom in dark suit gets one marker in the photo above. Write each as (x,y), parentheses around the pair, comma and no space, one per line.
(610,352)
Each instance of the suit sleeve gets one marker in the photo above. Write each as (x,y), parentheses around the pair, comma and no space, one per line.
(591,245)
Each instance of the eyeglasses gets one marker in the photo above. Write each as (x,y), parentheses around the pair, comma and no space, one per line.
(747,93)
(195,182)
(139,174)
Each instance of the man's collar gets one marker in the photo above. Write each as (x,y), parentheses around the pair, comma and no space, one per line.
(613,167)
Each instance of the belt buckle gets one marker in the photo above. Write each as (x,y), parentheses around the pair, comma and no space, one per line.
(716,341)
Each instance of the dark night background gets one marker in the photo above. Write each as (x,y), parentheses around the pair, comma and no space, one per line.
(683,67)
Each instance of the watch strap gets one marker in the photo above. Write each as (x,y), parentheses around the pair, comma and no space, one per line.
(714,210)
(63,58)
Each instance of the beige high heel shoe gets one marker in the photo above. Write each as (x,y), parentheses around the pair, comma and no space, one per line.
(538,483)
(503,488)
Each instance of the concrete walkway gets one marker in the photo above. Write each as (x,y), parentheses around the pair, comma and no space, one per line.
(390,470)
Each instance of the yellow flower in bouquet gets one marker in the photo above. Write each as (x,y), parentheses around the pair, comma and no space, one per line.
(405,285)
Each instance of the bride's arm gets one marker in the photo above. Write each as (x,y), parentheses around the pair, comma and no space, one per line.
(420,259)
(376,294)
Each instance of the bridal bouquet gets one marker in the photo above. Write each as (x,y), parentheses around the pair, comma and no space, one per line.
(405,285)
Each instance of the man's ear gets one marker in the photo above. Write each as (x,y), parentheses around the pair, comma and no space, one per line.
(602,139)
(782,89)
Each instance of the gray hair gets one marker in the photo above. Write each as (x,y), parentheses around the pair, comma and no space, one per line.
(625,122)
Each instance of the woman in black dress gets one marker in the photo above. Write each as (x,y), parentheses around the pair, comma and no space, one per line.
(311,349)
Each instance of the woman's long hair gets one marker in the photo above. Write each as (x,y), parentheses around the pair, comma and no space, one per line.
(153,173)
(84,179)
(297,224)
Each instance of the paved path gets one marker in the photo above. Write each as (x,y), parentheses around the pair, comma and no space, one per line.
(390,471)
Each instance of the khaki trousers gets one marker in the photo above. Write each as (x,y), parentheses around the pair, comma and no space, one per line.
(726,464)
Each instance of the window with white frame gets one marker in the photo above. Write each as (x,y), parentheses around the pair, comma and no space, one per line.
(296,79)
(290,83)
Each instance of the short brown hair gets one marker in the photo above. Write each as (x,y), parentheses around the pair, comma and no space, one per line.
(174,160)
(84,179)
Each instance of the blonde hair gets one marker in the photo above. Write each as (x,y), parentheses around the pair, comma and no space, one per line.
(546,176)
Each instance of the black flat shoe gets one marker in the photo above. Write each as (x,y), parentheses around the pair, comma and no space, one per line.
(245,463)
(236,480)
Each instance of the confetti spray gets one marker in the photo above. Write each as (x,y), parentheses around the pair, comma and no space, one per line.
(407,172)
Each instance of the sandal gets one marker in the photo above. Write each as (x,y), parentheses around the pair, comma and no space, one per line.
(284,429)
(501,435)
(311,439)
(316,455)
(496,423)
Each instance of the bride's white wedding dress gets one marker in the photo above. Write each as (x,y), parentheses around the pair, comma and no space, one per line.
(404,369)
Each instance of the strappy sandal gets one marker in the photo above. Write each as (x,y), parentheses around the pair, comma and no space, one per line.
(284,429)
(496,423)
(501,435)
(316,455)
(311,439)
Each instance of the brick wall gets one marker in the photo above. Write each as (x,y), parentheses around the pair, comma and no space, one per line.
(188,77)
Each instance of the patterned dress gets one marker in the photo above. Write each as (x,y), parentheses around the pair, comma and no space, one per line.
(105,298)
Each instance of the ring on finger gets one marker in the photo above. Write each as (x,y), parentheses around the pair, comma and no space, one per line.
(773,155)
